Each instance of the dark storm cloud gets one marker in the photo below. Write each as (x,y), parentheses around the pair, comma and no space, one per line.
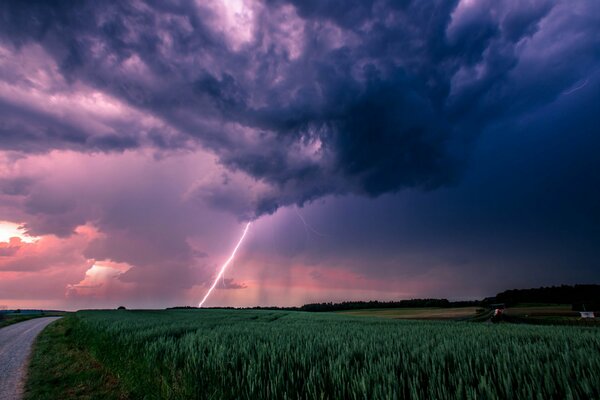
(315,97)
(526,212)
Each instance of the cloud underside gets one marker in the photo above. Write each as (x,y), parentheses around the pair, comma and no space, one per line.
(301,99)
(134,137)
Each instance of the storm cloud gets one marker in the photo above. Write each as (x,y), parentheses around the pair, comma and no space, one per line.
(306,98)
(385,149)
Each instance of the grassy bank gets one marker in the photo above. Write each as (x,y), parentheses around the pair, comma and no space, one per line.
(14,319)
(227,354)
(9,319)
(61,368)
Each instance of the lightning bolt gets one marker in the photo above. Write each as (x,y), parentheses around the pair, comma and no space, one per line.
(307,227)
(576,88)
(226,264)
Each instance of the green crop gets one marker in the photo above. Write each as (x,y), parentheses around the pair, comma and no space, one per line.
(242,354)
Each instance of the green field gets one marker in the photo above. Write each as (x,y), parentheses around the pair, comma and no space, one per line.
(542,310)
(436,313)
(547,314)
(243,354)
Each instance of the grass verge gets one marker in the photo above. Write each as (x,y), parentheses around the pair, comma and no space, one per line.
(60,369)
(13,319)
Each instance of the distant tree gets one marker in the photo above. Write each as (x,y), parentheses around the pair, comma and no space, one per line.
(412,303)
(121,308)
(577,295)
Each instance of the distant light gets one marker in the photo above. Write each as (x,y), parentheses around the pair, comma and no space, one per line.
(10,229)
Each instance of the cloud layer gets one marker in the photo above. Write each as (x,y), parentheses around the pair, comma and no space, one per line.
(308,98)
(135,135)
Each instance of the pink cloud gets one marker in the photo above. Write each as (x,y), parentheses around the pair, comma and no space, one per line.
(91,211)
(101,282)
(45,253)
(230,283)
(58,109)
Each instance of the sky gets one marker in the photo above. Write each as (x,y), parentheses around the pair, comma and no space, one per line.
(382,150)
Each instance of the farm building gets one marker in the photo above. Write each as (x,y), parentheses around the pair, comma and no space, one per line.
(586,314)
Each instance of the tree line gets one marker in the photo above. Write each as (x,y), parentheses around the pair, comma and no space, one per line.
(582,297)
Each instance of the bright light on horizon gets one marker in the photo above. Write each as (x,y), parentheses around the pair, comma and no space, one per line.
(10,229)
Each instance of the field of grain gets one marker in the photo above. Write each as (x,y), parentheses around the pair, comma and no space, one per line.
(547,315)
(542,310)
(243,354)
(415,313)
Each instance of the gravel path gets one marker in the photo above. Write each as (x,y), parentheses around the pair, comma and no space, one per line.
(15,346)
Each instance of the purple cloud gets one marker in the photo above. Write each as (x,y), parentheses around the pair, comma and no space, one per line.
(160,125)
(304,97)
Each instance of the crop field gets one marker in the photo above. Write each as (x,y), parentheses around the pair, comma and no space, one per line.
(548,310)
(415,313)
(547,315)
(243,354)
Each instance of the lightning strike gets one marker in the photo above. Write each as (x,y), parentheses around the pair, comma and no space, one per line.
(576,88)
(307,226)
(225,265)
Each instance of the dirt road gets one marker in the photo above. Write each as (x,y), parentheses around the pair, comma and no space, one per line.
(15,346)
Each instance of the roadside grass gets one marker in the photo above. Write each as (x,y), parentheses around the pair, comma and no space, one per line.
(13,319)
(16,318)
(415,313)
(61,369)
